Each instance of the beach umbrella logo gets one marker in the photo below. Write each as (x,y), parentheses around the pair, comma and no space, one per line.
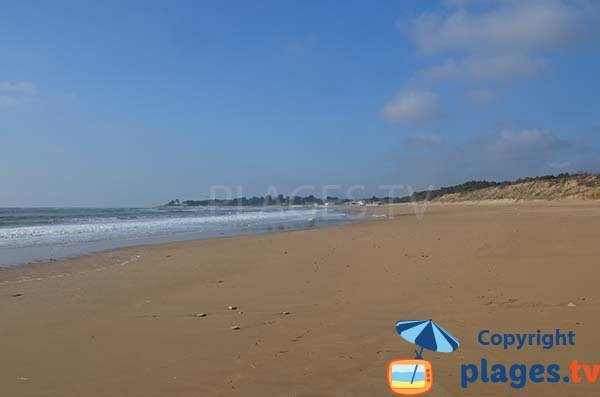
(414,377)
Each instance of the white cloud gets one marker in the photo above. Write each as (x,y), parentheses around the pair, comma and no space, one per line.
(503,40)
(482,95)
(13,93)
(510,154)
(6,101)
(466,3)
(413,106)
(563,165)
(424,141)
(509,142)
(17,88)
(512,26)
(500,66)
(504,155)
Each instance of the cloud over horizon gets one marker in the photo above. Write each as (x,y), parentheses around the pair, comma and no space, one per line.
(504,155)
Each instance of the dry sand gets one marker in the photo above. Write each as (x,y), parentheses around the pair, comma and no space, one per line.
(124,323)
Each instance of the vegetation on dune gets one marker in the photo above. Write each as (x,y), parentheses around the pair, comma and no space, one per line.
(581,186)
(472,186)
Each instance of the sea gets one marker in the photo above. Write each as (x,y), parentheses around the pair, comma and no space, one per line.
(45,234)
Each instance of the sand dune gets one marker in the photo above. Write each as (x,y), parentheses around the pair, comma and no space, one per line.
(573,187)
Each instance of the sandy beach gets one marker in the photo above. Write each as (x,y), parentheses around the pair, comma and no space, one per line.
(127,322)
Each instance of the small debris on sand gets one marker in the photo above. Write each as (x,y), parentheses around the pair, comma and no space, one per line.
(16,295)
(285,313)
(235,327)
(201,315)
(232,307)
(571,304)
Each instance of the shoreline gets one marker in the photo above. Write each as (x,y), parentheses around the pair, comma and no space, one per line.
(372,213)
(70,263)
(129,321)
(42,253)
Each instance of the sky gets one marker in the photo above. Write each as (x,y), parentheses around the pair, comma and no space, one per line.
(134,103)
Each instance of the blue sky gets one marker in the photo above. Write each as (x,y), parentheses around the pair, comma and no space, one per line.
(112,104)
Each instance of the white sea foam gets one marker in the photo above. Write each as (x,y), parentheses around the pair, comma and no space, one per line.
(84,229)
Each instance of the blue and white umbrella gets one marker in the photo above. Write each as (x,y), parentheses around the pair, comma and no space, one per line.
(427,334)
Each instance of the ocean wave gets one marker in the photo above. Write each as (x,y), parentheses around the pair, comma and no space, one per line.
(138,224)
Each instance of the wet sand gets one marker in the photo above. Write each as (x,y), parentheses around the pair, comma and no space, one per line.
(125,323)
